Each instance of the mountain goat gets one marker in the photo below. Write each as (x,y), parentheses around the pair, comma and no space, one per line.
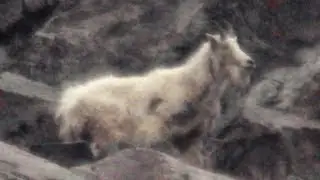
(142,110)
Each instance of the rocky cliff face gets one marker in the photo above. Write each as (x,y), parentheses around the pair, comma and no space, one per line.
(269,134)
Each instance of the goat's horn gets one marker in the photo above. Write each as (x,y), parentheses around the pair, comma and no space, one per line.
(219,27)
(229,26)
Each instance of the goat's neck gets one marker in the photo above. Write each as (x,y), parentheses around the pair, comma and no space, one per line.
(221,79)
(198,65)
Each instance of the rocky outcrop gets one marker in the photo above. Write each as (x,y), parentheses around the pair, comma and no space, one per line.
(17,164)
(114,37)
(266,132)
(130,165)
(146,164)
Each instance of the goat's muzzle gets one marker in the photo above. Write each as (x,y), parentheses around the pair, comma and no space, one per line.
(250,64)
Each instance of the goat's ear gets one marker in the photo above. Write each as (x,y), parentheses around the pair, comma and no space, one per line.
(214,39)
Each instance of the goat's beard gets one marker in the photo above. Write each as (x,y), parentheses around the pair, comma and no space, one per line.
(239,76)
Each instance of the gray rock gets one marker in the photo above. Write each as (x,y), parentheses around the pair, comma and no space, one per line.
(145,164)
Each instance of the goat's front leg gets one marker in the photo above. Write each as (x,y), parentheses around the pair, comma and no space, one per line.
(196,157)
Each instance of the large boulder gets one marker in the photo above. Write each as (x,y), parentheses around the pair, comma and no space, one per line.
(145,164)
(130,164)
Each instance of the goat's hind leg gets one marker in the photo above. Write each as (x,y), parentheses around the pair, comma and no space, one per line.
(99,151)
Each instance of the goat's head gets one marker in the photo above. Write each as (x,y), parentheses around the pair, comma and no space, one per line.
(228,54)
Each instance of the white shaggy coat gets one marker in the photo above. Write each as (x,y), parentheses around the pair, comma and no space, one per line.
(137,109)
